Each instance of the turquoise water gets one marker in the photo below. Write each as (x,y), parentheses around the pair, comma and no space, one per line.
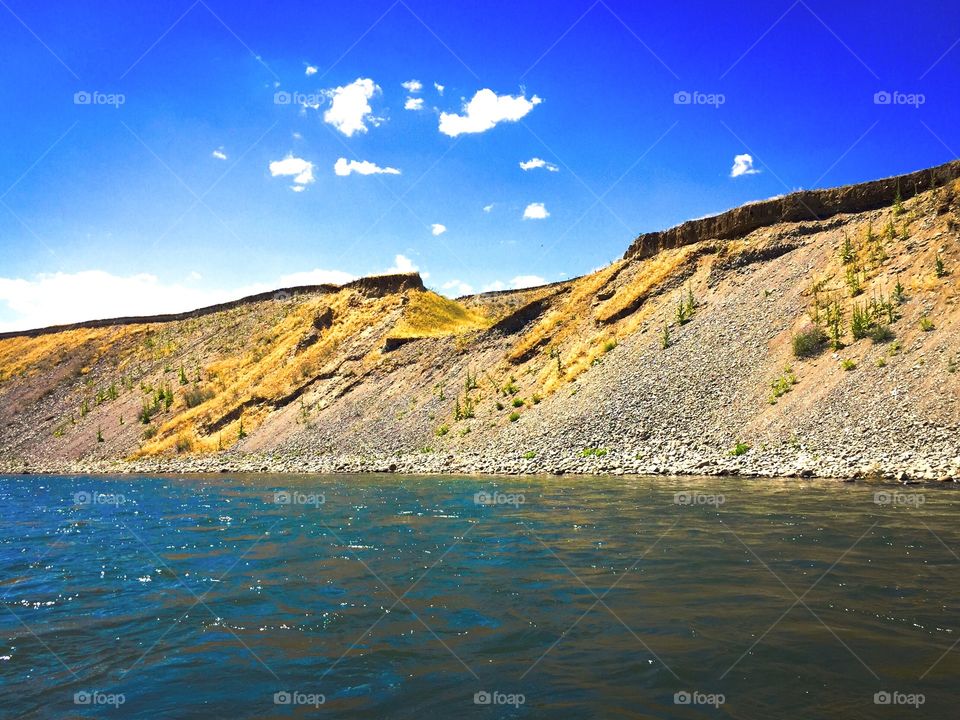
(391,597)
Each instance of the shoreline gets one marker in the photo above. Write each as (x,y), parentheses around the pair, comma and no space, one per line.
(769,464)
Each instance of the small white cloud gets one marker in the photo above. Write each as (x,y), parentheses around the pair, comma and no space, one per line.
(311,70)
(535,211)
(350,106)
(219,154)
(412,86)
(525,281)
(743,165)
(297,136)
(194,276)
(488,208)
(534,163)
(402,264)
(439,88)
(299,169)
(456,288)
(413,104)
(485,110)
(316,277)
(344,167)
(438,229)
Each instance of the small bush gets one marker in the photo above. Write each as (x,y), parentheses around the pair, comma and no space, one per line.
(529,455)
(518,402)
(665,337)
(939,266)
(809,342)
(741,448)
(881,334)
(926,324)
(184,444)
(197,396)
(514,416)
(881,362)
(443,430)
(847,364)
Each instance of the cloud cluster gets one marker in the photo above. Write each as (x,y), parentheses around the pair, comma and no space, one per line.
(299,169)
(344,167)
(535,211)
(485,110)
(534,163)
(413,104)
(743,165)
(437,229)
(350,109)
(219,154)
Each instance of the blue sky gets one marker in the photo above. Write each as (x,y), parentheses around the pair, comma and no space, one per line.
(167,189)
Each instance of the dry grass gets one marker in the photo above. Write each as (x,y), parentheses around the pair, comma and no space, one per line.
(431,315)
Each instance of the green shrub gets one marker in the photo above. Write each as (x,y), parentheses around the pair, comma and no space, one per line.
(926,324)
(514,416)
(443,430)
(741,448)
(609,345)
(881,334)
(518,402)
(529,455)
(940,269)
(808,342)
(665,337)
(847,364)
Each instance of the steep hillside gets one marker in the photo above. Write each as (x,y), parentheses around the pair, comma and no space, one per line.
(814,334)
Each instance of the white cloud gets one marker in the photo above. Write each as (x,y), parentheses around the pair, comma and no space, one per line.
(350,106)
(315,277)
(485,110)
(403,264)
(311,70)
(219,154)
(413,104)
(488,208)
(456,288)
(297,136)
(743,165)
(301,170)
(534,163)
(535,211)
(61,298)
(194,276)
(412,86)
(517,283)
(438,87)
(438,229)
(344,167)
(525,281)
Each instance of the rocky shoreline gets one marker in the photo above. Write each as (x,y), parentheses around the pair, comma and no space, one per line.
(672,459)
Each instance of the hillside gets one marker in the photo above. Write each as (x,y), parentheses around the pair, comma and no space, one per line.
(678,358)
